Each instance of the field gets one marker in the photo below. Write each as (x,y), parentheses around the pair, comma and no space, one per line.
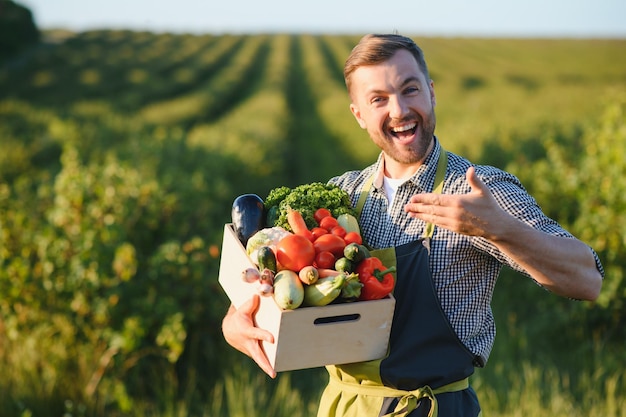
(122,153)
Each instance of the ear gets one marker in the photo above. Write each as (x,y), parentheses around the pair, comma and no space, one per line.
(431,87)
(357,115)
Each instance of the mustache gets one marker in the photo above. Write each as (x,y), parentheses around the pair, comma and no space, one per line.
(404,120)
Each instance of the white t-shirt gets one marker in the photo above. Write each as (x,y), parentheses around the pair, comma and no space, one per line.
(390,185)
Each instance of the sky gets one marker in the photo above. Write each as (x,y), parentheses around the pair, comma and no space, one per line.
(484,18)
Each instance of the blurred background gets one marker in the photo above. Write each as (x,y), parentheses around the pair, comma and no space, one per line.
(531,18)
(128,128)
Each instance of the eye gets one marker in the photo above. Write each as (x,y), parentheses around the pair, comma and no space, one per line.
(377,100)
(411,90)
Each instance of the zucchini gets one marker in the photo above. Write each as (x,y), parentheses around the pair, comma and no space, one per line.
(288,290)
(355,252)
(266,259)
(365,251)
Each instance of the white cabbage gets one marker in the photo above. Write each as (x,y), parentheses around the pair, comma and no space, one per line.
(265,237)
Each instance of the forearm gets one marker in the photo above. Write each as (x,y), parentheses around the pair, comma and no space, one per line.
(565,266)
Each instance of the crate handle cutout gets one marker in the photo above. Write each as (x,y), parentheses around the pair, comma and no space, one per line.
(337,319)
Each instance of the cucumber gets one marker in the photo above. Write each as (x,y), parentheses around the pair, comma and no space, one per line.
(288,290)
(365,251)
(355,252)
(266,259)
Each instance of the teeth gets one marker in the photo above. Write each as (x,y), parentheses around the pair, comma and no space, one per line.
(403,128)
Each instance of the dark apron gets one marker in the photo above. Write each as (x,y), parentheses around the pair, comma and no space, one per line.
(427,367)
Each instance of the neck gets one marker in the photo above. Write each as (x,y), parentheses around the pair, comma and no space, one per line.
(398,170)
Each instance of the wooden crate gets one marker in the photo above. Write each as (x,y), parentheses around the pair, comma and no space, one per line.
(308,337)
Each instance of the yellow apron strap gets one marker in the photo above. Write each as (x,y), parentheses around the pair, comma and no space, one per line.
(440,175)
(408,399)
(367,185)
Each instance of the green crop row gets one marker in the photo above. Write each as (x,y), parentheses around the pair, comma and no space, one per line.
(123,151)
(207,95)
(332,103)
(254,131)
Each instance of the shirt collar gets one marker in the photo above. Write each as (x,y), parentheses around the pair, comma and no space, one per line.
(423,178)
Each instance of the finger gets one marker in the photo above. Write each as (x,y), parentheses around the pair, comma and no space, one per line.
(257,353)
(249,309)
(427,213)
(427,198)
(268,369)
(432,205)
(472,179)
(260,334)
(265,365)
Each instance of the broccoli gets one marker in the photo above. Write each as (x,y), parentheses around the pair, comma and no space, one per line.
(306,198)
(276,196)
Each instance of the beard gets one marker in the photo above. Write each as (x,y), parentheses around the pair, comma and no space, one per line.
(414,152)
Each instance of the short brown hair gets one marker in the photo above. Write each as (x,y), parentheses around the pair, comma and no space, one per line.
(376,48)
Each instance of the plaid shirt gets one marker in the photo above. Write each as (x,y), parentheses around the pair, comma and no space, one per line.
(464,268)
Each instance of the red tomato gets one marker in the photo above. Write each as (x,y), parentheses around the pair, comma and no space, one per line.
(325,260)
(339,231)
(317,232)
(328,223)
(331,243)
(320,214)
(294,252)
(353,237)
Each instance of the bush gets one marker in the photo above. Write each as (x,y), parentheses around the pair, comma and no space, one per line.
(17,28)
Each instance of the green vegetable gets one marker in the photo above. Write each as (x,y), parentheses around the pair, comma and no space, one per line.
(349,222)
(355,252)
(266,258)
(276,195)
(306,199)
(288,290)
(344,264)
(269,236)
(351,290)
(324,291)
(366,252)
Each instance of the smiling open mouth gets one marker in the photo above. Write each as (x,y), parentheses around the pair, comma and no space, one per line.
(404,130)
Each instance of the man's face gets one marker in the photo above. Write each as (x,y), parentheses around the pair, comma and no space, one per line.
(395,103)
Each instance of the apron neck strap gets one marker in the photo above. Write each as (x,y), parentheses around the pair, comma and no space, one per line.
(442,165)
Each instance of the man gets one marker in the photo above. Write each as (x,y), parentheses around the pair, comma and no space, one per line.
(451,226)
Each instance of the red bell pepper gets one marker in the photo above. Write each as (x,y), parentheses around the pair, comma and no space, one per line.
(377,280)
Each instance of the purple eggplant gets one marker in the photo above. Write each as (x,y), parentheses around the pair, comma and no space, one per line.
(248,216)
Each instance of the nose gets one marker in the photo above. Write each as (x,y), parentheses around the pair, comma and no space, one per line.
(398,107)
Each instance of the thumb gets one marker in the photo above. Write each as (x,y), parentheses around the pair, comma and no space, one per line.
(474,182)
(250,306)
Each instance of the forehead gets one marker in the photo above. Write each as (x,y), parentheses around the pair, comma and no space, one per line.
(389,74)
